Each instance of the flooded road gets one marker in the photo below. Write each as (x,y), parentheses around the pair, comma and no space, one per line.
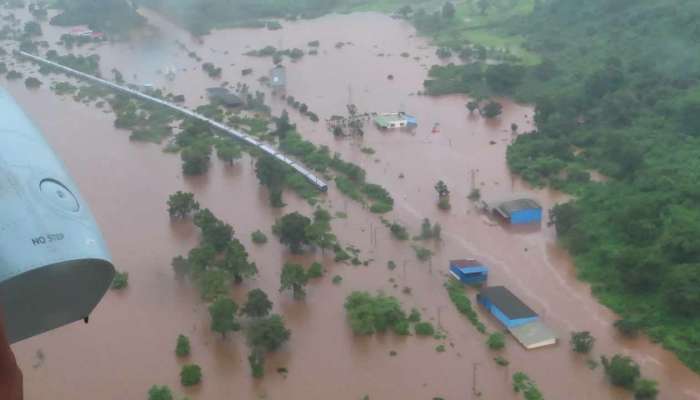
(129,344)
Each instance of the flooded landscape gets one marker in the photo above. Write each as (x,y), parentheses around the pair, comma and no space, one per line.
(128,346)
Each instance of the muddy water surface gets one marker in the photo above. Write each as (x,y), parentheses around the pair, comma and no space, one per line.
(129,343)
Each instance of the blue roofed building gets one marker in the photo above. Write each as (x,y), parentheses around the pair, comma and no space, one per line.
(520,211)
(507,308)
(469,271)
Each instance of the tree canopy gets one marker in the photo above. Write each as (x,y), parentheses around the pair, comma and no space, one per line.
(258,304)
(223,316)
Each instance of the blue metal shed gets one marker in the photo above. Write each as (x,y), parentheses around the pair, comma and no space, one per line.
(520,211)
(507,308)
(469,271)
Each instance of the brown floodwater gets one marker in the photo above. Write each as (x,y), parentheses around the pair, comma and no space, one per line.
(129,343)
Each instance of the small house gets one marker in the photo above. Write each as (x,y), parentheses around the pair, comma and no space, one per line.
(395,120)
(278,78)
(468,271)
(507,308)
(520,211)
(224,96)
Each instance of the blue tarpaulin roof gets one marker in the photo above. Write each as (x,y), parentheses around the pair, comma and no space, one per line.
(473,270)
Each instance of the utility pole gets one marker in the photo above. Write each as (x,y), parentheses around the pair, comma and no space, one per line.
(475,392)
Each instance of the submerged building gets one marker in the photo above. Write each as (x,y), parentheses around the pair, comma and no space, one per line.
(278,78)
(224,96)
(469,271)
(520,211)
(523,323)
(395,120)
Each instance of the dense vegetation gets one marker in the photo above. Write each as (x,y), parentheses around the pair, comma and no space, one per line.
(617,91)
(111,16)
(199,16)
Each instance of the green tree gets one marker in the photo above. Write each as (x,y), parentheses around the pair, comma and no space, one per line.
(405,11)
(681,289)
(195,159)
(441,189)
(213,283)
(319,232)
(236,263)
(182,348)
(315,270)
(181,266)
(645,389)
(368,314)
(267,334)
(181,204)
(258,237)
(32,83)
(258,305)
(190,375)
(492,109)
(496,341)
(582,341)
(448,10)
(200,259)
(223,316)
(215,232)
(424,328)
(292,231)
(271,173)
(159,393)
(472,106)
(294,277)
(256,360)
(282,125)
(621,370)
(32,28)
(504,78)
(228,151)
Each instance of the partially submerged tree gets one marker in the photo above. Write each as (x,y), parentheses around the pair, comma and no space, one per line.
(267,334)
(621,370)
(181,204)
(160,393)
(582,341)
(258,305)
(294,277)
(492,109)
(182,348)
(236,263)
(190,375)
(292,231)
(223,316)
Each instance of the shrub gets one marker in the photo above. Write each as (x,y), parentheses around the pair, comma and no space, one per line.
(496,341)
(120,281)
(621,370)
(315,270)
(463,304)
(422,253)
(645,389)
(337,280)
(501,361)
(440,348)
(424,329)
(190,375)
(414,316)
(182,349)
(582,342)
(32,82)
(258,237)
